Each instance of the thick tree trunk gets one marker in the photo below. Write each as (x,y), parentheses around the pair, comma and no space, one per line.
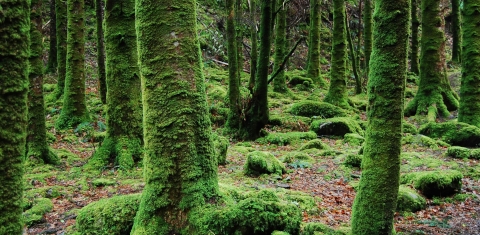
(52,51)
(100,51)
(414,65)
(456,32)
(14,20)
(61,29)
(337,92)
(124,139)
(469,111)
(180,167)
(37,133)
(313,57)
(435,96)
(74,110)
(279,84)
(376,200)
(233,120)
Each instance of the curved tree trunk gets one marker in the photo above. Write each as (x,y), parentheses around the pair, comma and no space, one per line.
(124,139)
(37,132)
(435,96)
(414,66)
(376,200)
(61,29)
(337,92)
(180,167)
(469,111)
(279,84)
(100,51)
(456,32)
(313,59)
(14,20)
(233,120)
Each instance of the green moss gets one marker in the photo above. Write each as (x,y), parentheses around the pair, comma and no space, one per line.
(298,159)
(353,160)
(262,163)
(420,140)
(435,183)
(220,144)
(280,233)
(409,200)
(286,138)
(353,139)
(409,128)
(35,215)
(336,126)
(103,182)
(111,216)
(321,109)
(290,122)
(316,143)
(313,57)
(359,101)
(61,25)
(233,121)
(314,228)
(454,133)
(458,152)
(295,80)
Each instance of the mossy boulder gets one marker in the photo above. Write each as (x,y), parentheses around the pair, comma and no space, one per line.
(220,144)
(259,162)
(353,139)
(452,132)
(409,200)
(286,138)
(110,216)
(409,128)
(298,159)
(39,208)
(294,80)
(315,228)
(463,153)
(353,160)
(310,108)
(314,144)
(338,126)
(434,183)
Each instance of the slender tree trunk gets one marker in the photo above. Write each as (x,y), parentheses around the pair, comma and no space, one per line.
(124,139)
(239,37)
(254,38)
(360,62)
(376,200)
(52,51)
(469,111)
(61,29)
(337,92)
(100,51)
(358,81)
(456,31)
(313,57)
(435,96)
(279,84)
(368,21)
(37,132)
(14,20)
(74,110)
(414,65)
(233,120)
(180,167)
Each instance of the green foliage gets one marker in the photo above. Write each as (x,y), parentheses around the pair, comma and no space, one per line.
(286,138)
(452,132)
(458,152)
(409,200)
(434,183)
(112,216)
(315,143)
(353,139)
(35,214)
(262,163)
(338,126)
(294,80)
(321,109)
(353,160)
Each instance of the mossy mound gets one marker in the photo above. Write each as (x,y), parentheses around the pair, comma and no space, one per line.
(314,144)
(100,182)
(353,160)
(452,132)
(259,162)
(310,108)
(294,80)
(338,126)
(298,159)
(409,128)
(434,183)
(420,140)
(111,216)
(220,144)
(353,139)
(315,228)
(294,123)
(39,208)
(463,153)
(280,233)
(409,200)
(286,138)
(359,101)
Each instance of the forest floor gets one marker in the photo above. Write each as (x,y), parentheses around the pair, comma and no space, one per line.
(328,180)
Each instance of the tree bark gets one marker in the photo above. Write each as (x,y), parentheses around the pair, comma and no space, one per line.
(61,29)
(313,57)
(279,84)
(52,51)
(414,65)
(100,52)
(456,32)
(368,21)
(233,119)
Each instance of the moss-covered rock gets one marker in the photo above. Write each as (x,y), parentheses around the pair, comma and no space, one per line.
(310,108)
(111,216)
(286,138)
(298,159)
(35,214)
(458,152)
(299,80)
(315,228)
(353,160)
(454,133)
(316,143)
(420,140)
(409,200)
(259,162)
(353,139)
(221,147)
(434,183)
(338,126)
(409,128)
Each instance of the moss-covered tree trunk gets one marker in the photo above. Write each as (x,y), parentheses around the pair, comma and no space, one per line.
(435,96)
(254,39)
(233,120)
(256,113)
(368,21)
(414,65)
(74,110)
(376,200)
(239,36)
(279,84)
(14,20)
(61,29)
(37,133)
(456,32)
(313,57)
(100,51)
(469,111)
(353,56)
(337,92)
(124,139)
(52,51)
(180,168)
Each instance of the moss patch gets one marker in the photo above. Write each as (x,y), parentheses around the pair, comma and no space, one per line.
(262,163)
(314,144)
(315,228)
(221,144)
(40,207)
(338,126)
(434,183)
(298,159)
(286,138)
(353,139)
(409,200)
(454,133)
(321,109)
